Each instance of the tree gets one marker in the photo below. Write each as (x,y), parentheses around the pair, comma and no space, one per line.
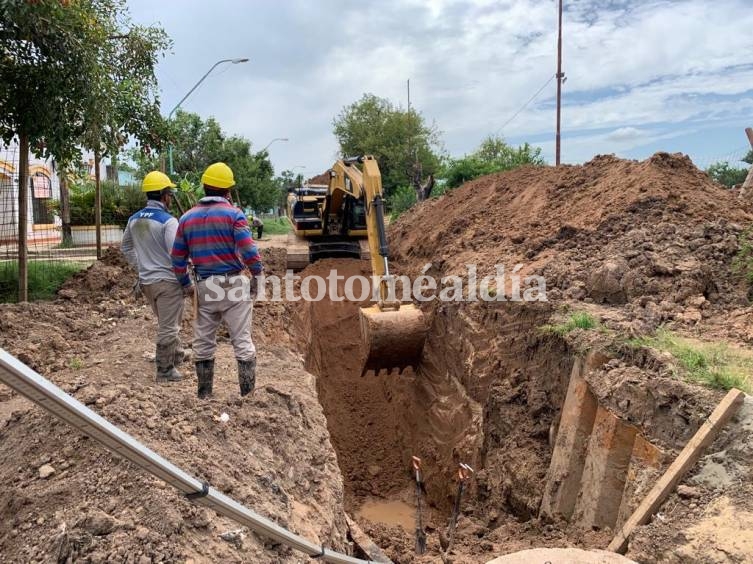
(406,148)
(727,175)
(197,143)
(62,77)
(493,155)
(748,158)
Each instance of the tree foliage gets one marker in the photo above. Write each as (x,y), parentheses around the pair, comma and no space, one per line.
(77,73)
(727,175)
(493,155)
(405,147)
(197,143)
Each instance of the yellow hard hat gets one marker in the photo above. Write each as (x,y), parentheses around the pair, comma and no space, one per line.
(156,180)
(218,175)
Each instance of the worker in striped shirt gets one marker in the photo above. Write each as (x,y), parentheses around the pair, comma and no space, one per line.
(215,235)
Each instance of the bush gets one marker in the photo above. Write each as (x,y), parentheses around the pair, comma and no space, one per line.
(401,200)
(494,155)
(118,203)
(727,175)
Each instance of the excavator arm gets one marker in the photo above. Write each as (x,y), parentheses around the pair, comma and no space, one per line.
(394,333)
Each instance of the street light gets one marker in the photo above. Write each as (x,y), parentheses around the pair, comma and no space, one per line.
(195,86)
(272,141)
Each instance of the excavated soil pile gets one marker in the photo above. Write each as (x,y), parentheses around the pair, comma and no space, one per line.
(612,231)
(638,244)
(66,499)
(322,178)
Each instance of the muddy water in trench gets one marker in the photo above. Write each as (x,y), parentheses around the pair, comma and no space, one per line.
(392,512)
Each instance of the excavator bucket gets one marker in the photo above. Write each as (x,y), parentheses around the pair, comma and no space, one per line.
(394,337)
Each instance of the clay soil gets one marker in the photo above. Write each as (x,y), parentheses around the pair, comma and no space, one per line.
(638,245)
(273,454)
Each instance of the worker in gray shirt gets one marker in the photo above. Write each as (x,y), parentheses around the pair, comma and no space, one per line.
(147,241)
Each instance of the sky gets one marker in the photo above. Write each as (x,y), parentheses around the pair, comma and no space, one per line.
(641,75)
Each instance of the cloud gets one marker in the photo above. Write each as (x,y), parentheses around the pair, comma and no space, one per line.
(637,71)
(625,134)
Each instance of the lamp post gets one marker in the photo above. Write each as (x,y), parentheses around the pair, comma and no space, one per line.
(195,86)
(272,141)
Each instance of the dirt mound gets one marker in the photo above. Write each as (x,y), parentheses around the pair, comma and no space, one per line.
(611,230)
(70,500)
(322,178)
(111,277)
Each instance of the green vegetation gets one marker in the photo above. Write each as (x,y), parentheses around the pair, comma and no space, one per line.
(743,262)
(45,278)
(401,200)
(713,364)
(118,203)
(275,226)
(76,364)
(90,72)
(576,320)
(197,143)
(405,146)
(493,155)
(727,175)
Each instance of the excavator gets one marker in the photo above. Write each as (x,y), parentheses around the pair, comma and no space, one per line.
(345,219)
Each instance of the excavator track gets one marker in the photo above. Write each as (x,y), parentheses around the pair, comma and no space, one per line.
(301,252)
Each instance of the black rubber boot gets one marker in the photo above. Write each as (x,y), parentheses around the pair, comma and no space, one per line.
(205,375)
(165,360)
(247,376)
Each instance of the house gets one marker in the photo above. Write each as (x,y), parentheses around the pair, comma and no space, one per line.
(44,189)
(44,226)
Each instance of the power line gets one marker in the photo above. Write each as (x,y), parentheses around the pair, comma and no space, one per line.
(524,106)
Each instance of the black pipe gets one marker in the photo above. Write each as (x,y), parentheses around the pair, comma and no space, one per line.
(379,210)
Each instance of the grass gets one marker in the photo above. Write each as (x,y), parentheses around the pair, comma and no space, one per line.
(276,226)
(576,320)
(743,261)
(45,279)
(713,364)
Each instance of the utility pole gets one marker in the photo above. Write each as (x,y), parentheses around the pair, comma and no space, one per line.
(560,76)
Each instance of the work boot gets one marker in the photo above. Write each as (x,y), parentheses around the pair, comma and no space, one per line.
(247,375)
(205,375)
(182,355)
(165,360)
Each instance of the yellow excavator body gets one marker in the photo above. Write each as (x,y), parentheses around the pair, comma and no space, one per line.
(333,221)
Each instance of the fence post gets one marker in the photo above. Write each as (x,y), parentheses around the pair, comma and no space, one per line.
(65,207)
(98,205)
(748,179)
(23,217)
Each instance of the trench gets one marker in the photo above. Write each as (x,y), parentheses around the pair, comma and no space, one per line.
(486,383)
(491,391)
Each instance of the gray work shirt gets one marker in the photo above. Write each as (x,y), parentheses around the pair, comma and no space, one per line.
(147,242)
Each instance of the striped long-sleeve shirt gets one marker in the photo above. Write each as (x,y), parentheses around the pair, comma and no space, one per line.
(215,236)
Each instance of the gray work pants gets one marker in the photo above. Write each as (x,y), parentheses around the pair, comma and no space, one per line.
(220,301)
(166,299)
